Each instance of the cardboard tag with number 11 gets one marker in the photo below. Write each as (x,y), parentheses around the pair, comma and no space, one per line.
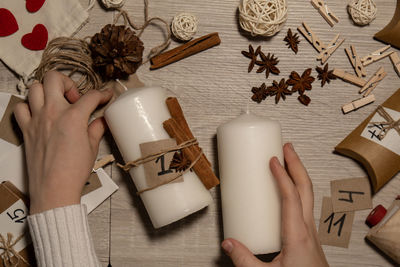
(334,227)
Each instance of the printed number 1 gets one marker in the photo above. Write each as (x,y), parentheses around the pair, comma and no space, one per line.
(16,218)
(162,162)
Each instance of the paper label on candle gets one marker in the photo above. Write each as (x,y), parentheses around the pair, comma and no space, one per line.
(351,194)
(92,184)
(158,171)
(334,227)
(392,138)
(9,130)
(13,220)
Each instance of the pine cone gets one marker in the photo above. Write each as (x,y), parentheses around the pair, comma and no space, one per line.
(116,52)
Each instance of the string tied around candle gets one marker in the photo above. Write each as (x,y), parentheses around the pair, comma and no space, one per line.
(9,251)
(151,157)
(387,125)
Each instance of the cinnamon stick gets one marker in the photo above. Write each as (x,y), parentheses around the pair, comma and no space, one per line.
(201,168)
(185,50)
(176,112)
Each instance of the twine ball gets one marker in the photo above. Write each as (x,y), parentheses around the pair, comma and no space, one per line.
(362,12)
(184,26)
(262,17)
(113,3)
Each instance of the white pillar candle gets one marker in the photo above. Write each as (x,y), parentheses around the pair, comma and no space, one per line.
(251,204)
(136,117)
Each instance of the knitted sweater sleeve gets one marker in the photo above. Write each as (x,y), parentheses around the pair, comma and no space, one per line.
(61,237)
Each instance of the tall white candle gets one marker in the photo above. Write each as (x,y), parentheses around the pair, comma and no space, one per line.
(136,117)
(251,205)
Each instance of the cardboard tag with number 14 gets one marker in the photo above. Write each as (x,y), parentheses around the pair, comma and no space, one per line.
(157,171)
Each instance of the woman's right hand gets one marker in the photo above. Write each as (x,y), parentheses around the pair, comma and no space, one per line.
(300,243)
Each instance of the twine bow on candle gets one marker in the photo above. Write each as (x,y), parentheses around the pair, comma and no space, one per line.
(387,125)
(7,245)
(154,156)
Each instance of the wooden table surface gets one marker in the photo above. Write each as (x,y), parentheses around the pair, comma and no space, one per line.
(214,87)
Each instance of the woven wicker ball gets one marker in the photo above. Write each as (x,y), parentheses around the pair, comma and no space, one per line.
(184,26)
(363,12)
(262,17)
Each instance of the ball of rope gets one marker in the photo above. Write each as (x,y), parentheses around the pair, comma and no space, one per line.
(362,12)
(184,26)
(262,17)
(113,3)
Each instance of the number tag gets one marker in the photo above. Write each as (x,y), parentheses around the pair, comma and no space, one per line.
(334,228)
(351,194)
(14,220)
(158,171)
(392,138)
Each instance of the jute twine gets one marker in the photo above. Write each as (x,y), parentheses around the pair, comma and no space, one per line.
(262,17)
(113,3)
(387,125)
(9,252)
(184,26)
(155,50)
(362,12)
(70,55)
(73,56)
(151,157)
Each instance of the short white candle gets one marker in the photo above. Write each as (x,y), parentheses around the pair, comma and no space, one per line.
(136,117)
(251,204)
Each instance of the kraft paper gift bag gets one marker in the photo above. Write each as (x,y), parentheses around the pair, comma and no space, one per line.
(375,143)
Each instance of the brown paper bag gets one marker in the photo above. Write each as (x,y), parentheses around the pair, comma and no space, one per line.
(386,234)
(9,195)
(381,158)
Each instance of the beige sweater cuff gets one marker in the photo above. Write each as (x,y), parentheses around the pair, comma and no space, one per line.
(61,237)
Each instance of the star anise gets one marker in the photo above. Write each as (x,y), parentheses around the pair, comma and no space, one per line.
(325,75)
(259,93)
(279,90)
(179,162)
(292,40)
(252,55)
(304,99)
(302,83)
(268,63)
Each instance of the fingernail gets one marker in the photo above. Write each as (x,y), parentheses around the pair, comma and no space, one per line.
(291,146)
(275,161)
(227,246)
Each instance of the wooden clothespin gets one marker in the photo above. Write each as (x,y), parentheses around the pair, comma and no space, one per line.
(356,104)
(325,54)
(355,61)
(375,56)
(311,37)
(394,57)
(103,162)
(325,12)
(347,77)
(373,81)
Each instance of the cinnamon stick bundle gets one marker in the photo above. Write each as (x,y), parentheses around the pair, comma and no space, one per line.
(176,112)
(185,50)
(178,128)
